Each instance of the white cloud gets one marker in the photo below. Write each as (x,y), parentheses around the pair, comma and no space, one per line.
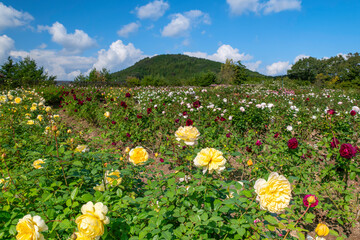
(152,10)
(127,29)
(253,66)
(6,45)
(301,56)
(63,66)
(182,23)
(73,42)
(10,17)
(281,5)
(224,52)
(239,7)
(278,68)
(118,56)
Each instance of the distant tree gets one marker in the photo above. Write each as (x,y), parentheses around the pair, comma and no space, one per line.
(24,73)
(241,73)
(132,81)
(306,69)
(227,72)
(94,76)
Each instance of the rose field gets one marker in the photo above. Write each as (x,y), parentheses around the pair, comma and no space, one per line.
(223,162)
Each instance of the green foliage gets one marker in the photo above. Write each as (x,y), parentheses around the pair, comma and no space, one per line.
(24,73)
(94,77)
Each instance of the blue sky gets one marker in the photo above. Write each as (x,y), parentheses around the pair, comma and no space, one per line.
(72,37)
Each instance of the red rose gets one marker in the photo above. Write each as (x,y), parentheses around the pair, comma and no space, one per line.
(128,134)
(293,143)
(347,150)
(352,113)
(185,113)
(222,119)
(248,149)
(127,95)
(276,135)
(196,104)
(331,111)
(258,143)
(113,122)
(228,135)
(177,120)
(149,110)
(138,116)
(189,122)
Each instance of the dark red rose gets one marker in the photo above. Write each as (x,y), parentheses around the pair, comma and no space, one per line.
(197,104)
(307,99)
(331,111)
(88,99)
(276,135)
(185,113)
(151,100)
(114,143)
(127,95)
(335,143)
(189,122)
(293,143)
(258,143)
(75,110)
(126,118)
(113,122)
(161,160)
(138,116)
(222,119)
(177,120)
(111,99)
(128,135)
(60,106)
(347,150)
(352,113)
(248,149)
(228,135)
(149,110)
(123,104)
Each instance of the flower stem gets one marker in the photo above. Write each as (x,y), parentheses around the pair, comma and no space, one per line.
(287,233)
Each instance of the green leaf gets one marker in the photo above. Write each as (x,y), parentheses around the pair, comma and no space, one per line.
(74,193)
(12,230)
(301,236)
(271,220)
(352,175)
(87,197)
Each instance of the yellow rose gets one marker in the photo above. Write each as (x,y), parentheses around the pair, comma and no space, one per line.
(249,162)
(80,236)
(113,177)
(10,97)
(188,134)
(32,108)
(17,100)
(30,122)
(107,114)
(322,230)
(48,109)
(91,223)
(40,117)
(138,156)
(29,228)
(37,163)
(69,131)
(210,159)
(3,99)
(127,150)
(275,194)
(56,116)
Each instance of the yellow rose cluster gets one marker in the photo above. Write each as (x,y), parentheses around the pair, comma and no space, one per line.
(274,194)
(38,163)
(188,134)
(29,228)
(91,223)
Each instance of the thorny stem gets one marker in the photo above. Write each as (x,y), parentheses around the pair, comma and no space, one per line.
(288,231)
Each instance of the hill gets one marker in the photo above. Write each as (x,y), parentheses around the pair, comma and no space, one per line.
(173,67)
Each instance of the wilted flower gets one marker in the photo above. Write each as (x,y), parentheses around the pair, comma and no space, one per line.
(80,235)
(91,223)
(82,148)
(322,230)
(138,156)
(188,134)
(274,194)
(310,200)
(37,164)
(100,188)
(335,143)
(29,228)
(347,150)
(210,159)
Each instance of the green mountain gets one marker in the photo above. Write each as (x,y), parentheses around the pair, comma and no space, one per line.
(172,67)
